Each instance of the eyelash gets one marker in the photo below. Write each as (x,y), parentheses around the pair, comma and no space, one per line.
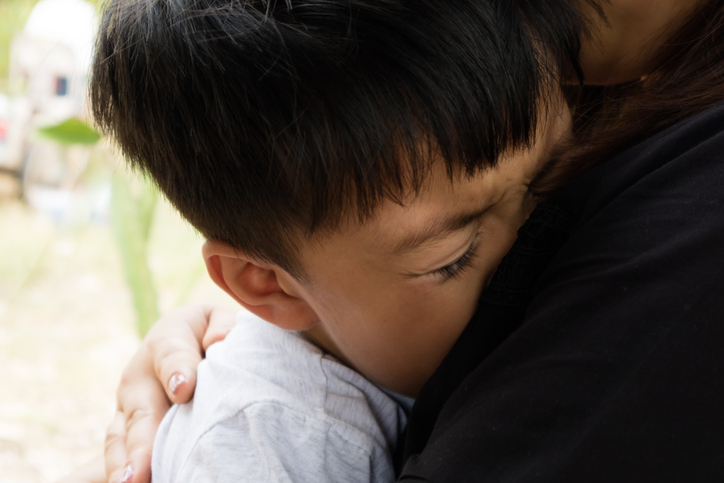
(456,269)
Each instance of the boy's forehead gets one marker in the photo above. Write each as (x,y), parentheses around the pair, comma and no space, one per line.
(442,205)
(431,228)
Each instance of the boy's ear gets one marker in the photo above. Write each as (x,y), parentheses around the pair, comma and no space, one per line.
(255,286)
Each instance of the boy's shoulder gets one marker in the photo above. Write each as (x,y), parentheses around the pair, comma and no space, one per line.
(265,394)
(259,363)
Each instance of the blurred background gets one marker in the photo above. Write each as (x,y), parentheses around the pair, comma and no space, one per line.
(90,255)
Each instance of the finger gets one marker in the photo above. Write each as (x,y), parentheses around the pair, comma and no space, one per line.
(115,448)
(142,402)
(144,409)
(221,321)
(177,371)
(170,352)
(174,343)
(175,359)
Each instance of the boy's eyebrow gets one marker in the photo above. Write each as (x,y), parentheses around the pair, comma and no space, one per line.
(437,229)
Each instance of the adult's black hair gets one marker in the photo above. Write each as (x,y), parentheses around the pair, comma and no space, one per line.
(686,78)
(264,121)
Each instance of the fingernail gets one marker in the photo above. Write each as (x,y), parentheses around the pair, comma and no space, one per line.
(127,474)
(175,381)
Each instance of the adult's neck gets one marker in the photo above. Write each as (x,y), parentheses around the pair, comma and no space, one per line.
(622,46)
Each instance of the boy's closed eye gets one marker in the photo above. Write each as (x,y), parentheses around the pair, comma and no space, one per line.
(448,258)
(456,269)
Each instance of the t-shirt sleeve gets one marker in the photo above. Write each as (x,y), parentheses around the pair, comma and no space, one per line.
(617,373)
(269,442)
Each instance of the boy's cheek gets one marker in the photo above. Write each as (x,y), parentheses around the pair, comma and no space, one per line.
(407,351)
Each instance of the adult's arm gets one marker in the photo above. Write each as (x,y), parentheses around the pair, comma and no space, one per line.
(162,372)
(616,371)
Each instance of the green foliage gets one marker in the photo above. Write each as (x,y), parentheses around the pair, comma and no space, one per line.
(13,15)
(132,208)
(71,131)
(133,203)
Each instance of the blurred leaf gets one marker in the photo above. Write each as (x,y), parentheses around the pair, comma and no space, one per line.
(146,203)
(131,223)
(71,131)
(197,271)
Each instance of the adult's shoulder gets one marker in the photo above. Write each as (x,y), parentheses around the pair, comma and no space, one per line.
(615,371)
(674,157)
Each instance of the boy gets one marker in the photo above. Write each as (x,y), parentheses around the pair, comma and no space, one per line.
(359,178)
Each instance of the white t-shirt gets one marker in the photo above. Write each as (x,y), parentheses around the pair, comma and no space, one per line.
(271,406)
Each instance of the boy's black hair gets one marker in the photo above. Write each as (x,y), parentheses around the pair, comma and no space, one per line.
(263,121)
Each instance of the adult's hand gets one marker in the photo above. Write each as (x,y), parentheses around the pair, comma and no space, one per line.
(162,372)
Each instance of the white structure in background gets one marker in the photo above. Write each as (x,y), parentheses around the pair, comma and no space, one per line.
(49,63)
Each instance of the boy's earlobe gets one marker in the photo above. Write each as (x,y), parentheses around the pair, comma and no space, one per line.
(255,286)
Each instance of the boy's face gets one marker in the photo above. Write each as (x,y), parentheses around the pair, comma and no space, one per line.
(392,295)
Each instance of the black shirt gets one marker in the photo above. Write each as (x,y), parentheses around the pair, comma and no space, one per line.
(597,354)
